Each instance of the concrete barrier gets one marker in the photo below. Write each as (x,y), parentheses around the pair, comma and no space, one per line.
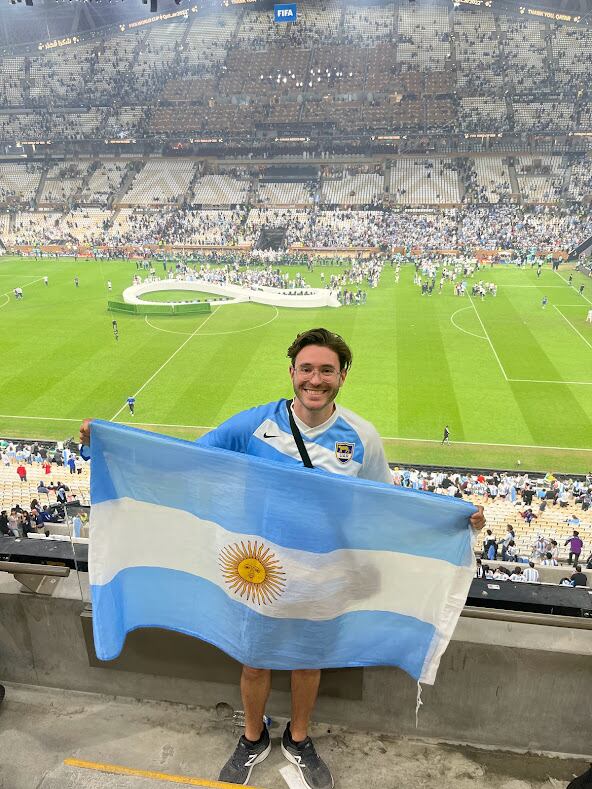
(502,683)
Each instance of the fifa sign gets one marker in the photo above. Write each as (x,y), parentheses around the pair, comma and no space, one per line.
(284,12)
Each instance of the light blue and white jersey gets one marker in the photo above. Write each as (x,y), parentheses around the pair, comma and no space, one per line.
(344,444)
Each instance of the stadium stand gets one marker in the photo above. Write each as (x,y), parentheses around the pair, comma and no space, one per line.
(220,190)
(160,183)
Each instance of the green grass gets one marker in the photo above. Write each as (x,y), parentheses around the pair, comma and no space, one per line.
(498,377)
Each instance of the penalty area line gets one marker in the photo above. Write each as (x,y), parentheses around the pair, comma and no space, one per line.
(162,366)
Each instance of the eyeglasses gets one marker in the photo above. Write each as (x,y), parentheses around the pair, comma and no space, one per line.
(326,373)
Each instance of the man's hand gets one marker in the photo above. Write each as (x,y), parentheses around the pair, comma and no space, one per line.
(477,520)
(85,432)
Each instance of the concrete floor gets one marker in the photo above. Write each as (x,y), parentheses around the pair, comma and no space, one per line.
(41,727)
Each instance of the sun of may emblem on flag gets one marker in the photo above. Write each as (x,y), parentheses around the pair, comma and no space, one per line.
(344,451)
(252,571)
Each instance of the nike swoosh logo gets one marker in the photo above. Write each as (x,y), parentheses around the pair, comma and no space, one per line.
(267,436)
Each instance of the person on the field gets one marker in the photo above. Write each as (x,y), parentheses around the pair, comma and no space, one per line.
(446,437)
(131,404)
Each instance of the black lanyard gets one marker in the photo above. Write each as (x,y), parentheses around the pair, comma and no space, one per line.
(298,437)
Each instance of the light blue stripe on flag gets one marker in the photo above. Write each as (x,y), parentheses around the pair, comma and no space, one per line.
(280,567)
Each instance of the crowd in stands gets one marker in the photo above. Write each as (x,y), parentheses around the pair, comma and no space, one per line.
(502,227)
(33,496)
(380,66)
(520,504)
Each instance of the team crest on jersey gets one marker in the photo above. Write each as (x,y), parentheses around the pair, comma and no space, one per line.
(344,451)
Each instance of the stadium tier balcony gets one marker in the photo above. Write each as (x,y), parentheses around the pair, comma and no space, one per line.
(423,37)
(356,189)
(492,182)
(424,182)
(543,116)
(478,58)
(12,71)
(104,182)
(572,51)
(19,182)
(285,194)
(36,228)
(580,182)
(479,114)
(85,226)
(525,52)
(540,178)
(220,190)
(160,182)
(209,36)
(370,24)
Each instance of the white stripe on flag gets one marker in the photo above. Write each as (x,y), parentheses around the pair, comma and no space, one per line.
(318,586)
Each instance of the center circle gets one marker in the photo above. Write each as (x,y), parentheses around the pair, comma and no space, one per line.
(252,571)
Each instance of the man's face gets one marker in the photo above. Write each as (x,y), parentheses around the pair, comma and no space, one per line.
(316,377)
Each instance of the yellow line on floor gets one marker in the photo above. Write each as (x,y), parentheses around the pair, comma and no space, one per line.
(118,769)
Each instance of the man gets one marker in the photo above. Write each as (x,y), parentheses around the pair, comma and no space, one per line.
(131,404)
(575,547)
(446,438)
(579,578)
(531,574)
(115,329)
(310,430)
(76,281)
(544,302)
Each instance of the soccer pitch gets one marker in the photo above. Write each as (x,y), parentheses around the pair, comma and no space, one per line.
(512,380)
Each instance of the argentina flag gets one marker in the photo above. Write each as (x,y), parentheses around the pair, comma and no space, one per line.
(280,567)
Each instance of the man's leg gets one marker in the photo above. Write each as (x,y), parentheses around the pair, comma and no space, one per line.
(297,747)
(255,687)
(305,688)
(254,746)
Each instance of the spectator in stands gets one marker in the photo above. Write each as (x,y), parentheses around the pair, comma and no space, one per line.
(531,574)
(549,561)
(512,552)
(510,535)
(4,530)
(579,578)
(501,574)
(575,547)
(517,575)
(22,472)
(489,546)
(528,515)
(480,570)
(14,523)
(589,562)
(42,489)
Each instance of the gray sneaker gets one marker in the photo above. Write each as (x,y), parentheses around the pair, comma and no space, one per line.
(313,770)
(238,768)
